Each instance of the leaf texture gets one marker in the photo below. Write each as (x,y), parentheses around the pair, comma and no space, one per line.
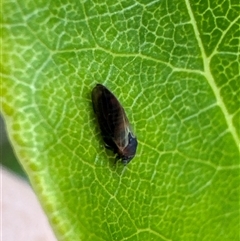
(174,66)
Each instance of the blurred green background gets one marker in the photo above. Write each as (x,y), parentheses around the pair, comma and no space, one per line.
(7,156)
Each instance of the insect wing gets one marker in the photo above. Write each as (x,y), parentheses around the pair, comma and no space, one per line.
(122,132)
(111,116)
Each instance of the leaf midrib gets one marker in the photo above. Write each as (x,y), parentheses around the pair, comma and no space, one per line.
(208,75)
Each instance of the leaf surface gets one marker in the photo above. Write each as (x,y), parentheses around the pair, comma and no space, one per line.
(174,66)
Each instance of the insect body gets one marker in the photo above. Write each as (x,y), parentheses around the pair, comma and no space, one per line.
(113,123)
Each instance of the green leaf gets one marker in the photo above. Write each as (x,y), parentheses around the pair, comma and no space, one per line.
(174,65)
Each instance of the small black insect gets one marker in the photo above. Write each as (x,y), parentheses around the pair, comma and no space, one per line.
(113,123)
